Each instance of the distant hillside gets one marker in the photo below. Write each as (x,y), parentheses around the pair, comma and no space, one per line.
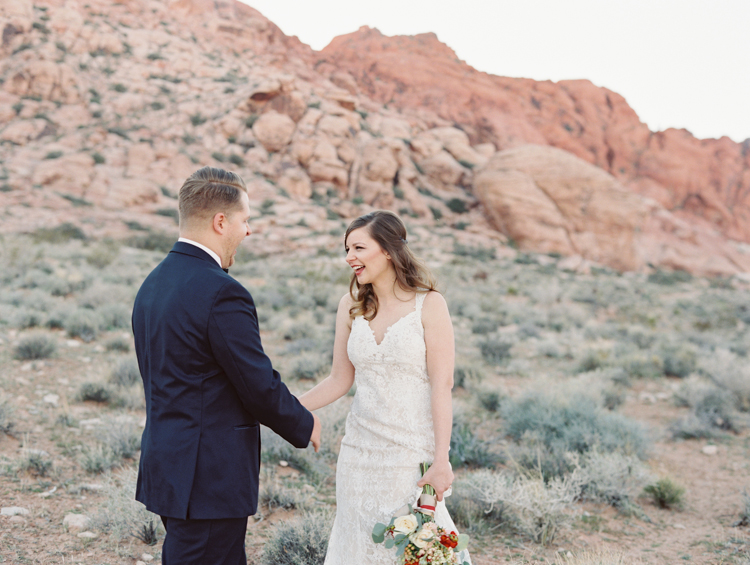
(106,107)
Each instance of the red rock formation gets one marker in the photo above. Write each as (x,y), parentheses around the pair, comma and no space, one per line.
(705,180)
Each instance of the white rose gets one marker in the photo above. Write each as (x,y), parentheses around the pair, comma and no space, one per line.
(422,538)
(405,524)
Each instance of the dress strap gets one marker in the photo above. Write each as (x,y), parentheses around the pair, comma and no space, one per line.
(419,301)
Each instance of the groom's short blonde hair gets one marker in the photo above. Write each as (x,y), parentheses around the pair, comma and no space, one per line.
(207,191)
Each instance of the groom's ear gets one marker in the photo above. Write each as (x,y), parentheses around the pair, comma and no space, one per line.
(219,222)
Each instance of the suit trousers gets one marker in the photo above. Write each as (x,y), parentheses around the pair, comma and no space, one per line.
(204,542)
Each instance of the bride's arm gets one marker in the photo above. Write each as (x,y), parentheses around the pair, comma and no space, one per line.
(438,337)
(338,383)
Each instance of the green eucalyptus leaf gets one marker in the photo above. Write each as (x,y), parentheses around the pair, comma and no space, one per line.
(389,543)
(463,542)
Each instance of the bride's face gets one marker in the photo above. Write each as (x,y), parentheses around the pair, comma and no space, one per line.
(363,254)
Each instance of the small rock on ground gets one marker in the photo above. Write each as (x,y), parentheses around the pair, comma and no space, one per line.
(14,511)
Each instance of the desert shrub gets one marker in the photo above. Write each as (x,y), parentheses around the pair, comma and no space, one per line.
(575,424)
(98,458)
(153,241)
(24,318)
(730,372)
(103,254)
(34,461)
(484,326)
(309,366)
(59,315)
(301,541)
(496,350)
(744,518)
(120,515)
(640,364)
(712,409)
(36,346)
(592,360)
(549,348)
(59,234)
(472,514)
(678,360)
(95,391)
(275,449)
(717,407)
(537,509)
(593,558)
(465,374)
(120,435)
(611,478)
(84,324)
(120,344)
(466,449)
(125,373)
(666,493)
(489,400)
(665,277)
(114,316)
(531,455)
(692,427)
(6,416)
(275,494)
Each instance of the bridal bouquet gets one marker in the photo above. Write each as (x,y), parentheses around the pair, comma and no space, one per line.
(417,538)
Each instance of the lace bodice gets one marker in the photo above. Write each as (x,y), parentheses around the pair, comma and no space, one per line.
(389,432)
(392,403)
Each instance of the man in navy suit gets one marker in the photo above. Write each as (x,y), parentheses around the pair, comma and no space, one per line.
(207,381)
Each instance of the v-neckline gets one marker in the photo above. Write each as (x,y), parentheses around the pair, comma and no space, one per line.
(388,329)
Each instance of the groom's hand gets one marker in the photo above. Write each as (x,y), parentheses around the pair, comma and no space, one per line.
(315,437)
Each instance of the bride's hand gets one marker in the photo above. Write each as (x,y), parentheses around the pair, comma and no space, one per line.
(440,476)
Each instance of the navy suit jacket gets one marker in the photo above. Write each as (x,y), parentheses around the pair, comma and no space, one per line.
(208,384)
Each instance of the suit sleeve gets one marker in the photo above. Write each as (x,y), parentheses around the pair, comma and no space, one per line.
(235,339)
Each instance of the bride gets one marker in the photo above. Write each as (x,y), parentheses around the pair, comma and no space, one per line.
(394,338)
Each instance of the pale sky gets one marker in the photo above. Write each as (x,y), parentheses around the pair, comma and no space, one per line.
(678,63)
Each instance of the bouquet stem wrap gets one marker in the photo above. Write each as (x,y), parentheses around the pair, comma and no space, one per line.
(427,500)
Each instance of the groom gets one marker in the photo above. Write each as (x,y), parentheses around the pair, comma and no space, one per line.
(207,381)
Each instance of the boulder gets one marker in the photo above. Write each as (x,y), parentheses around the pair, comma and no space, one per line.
(296,183)
(76,522)
(546,199)
(274,130)
(47,80)
(443,168)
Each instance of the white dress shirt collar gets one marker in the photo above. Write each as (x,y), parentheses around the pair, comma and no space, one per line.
(199,246)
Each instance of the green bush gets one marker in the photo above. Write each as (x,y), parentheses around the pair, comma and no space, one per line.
(59,234)
(120,344)
(125,373)
(679,360)
(666,493)
(6,417)
(573,424)
(496,350)
(465,374)
(98,458)
(35,461)
(457,205)
(466,449)
(301,541)
(37,346)
(95,392)
(120,515)
(84,324)
(121,436)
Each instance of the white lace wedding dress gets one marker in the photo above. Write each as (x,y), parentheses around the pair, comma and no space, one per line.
(388,434)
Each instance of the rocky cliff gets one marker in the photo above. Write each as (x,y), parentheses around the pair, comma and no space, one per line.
(105,107)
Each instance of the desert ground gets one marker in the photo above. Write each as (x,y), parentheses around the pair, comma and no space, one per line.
(599,417)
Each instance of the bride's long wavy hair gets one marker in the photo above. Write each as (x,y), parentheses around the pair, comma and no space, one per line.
(387,229)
